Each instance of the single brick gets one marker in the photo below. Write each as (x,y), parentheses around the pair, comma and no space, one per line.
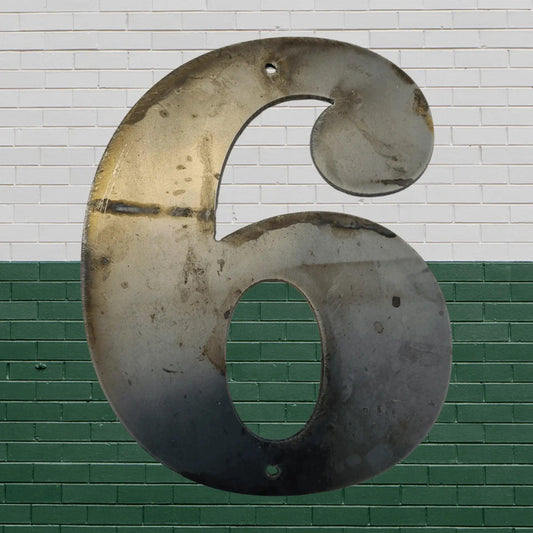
(523,412)
(66,390)
(453,433)
(246,311)
(509,312)
(402,475)
(259,412)
(508,352)
(16,472)
(484,453)
(288,392)
(295,295)
(300,412)
(115,514)
(242,351)
(91,412)
(393,516)
(294,351)
(93,493)
(131,452)
(522,332)
(5,330)
(18,310)
(483,372)
(172,514)
(16,271)
(87,452)
(468,351)
(73,291)
(157,473)
(25,330)
(485,495)
(253,331)
(33,493)
(332,497)
(117,473)
(145,494)
(339,516)
(234,515)
(448,291)
(59,271)
(62,473)
(509,271)
(455,516)
(5,290)
(485,413)
(523,372)
(243,392)
(198,494)
(431,495)
(482,292)
(80,371)
(447,414)
(15,513)
(509,516)
(305,371)
(283,515)
(372,495)
(74,331)
(298,311)
(60,311)
(260,371)
(508,392)
(523,495)
(480,332)
(96,392)
(38,291)
(456,475)
(33,451)
(266,291)
(64,350)
(522,292)
(36,371)
(12,390)
(16,431)
(302,331)
(18,350)
(519,433)
(465,312)
(509,474)
(453,271)
(433,453)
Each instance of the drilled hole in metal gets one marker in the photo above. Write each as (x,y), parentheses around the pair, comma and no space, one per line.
(270,68)
(272,471)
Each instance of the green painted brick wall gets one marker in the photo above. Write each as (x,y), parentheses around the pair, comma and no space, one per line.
(67,465)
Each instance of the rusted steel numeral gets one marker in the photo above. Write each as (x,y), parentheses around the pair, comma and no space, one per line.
(159,290)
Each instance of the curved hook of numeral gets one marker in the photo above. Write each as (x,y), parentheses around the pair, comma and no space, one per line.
(159,290)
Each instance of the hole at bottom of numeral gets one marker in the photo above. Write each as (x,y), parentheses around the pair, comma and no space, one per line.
(273,360)
(272,471)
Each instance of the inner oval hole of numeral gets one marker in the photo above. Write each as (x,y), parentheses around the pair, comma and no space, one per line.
(273,360)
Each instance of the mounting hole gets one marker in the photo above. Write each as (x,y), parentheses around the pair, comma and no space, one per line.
(271,68)
(272,471)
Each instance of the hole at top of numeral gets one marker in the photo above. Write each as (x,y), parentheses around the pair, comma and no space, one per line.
(273,360)
(271,68)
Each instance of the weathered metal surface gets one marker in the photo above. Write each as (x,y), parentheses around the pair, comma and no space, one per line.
(159,290)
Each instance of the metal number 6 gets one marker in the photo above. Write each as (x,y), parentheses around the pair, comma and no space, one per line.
(159,290)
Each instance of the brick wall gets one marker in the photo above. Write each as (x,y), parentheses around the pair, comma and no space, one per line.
(67,465)
(70,70)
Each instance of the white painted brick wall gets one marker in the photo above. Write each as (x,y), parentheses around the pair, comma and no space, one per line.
(71,69)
